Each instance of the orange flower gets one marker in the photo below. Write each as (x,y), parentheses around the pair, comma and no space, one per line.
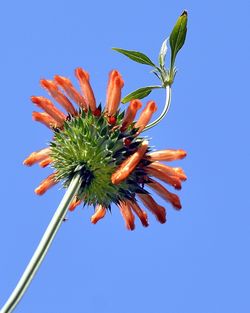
(115,163)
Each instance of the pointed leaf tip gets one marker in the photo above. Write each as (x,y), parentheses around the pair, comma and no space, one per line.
(178,36)
(136,56)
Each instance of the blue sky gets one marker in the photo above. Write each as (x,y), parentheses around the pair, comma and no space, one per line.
(198,262)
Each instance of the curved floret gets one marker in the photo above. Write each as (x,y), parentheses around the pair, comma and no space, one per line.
(105,147)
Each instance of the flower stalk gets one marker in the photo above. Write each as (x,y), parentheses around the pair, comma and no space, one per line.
(43,246)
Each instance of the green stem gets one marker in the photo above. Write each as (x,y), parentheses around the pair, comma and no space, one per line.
(164,112)
(43,246)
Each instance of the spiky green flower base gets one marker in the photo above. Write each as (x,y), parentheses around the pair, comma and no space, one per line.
(95,147)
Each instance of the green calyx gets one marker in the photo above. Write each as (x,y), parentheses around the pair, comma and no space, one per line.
(95,147)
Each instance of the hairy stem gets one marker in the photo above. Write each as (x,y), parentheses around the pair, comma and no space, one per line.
(165,110)
(43,246)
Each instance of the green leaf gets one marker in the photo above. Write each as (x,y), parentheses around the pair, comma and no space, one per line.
(136,56)
(139,93)
(162,54)
(178,36)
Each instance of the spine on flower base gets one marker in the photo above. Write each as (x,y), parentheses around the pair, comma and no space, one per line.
(43,246)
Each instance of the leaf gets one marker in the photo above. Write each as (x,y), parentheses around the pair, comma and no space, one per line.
(136,56)
(139,93)
(163,52)
(178,36)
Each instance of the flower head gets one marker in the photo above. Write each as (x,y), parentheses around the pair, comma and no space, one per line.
(105,147)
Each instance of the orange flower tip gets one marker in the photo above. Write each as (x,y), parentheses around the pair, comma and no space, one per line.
(74,204)
(60,80)
(152,106)
(119,82)
(182,154)
(45,83)
(27,162)
(115,179)
(177,206)
(40,191)
(136,104)
(35,99)
(130,226)
(162,219)
(79,72)
(177,186)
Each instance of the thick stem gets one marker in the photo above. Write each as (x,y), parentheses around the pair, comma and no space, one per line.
(164,112)
(43,246)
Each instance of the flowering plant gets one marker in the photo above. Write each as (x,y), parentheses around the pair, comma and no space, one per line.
(98,152)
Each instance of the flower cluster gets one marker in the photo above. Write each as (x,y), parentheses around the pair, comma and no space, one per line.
(105,147)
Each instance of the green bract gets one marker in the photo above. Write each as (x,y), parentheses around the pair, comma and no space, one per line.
(92,146)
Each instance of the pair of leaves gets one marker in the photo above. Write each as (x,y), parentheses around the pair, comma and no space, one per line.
(176,40)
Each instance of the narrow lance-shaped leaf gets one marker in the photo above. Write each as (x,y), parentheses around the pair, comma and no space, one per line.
(162,54)
(178,36)
(139,93)
(136,56)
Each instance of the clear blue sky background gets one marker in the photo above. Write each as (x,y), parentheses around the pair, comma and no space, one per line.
(198,262)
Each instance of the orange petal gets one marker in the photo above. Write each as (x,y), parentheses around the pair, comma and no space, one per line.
(145,116)
(114,93)
(127,215)
(171,171)
(70,90)
(37,156)
(47,183)
(130,114)
(167,155)
(74,204)
(100,212)
(49,108)
(180,173)
(83,78)
(153,207)
(171,180)
(45,162)
(165,194)
(45,119)
(127,166)
(139,212)
(112,76)
(54,91)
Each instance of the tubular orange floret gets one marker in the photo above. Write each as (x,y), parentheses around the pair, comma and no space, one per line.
(171,180)
(158,210)
(127,215)
(139,212)
(167,155)
(46,162)
(177,172)
(130,114)
(114,97)
(83,78)
(180,173)
(49,108)
(46,184)
(112,75)
(127,166)
(100,212)
(37,156)
(145,116)
(165,194)
(74,204)
(70,90)
(54,91)
(45,119)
